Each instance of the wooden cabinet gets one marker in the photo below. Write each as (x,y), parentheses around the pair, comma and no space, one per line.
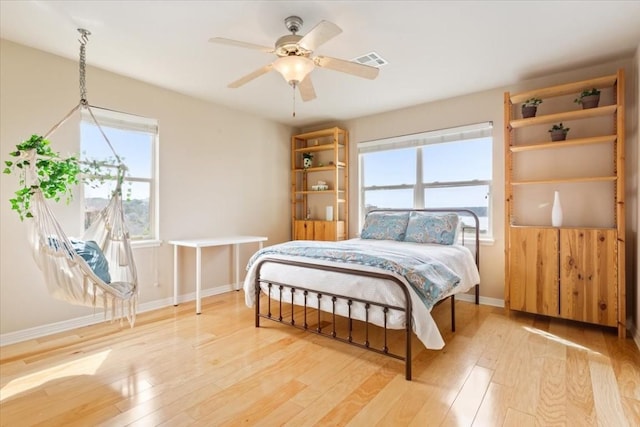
(319,188)
(576,270)
(318,230)
(588,276)
(534,285)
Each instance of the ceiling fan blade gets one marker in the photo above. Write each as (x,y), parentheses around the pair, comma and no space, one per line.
(307,92)
(360,70)
(320,34)
(238,43)
(251,76)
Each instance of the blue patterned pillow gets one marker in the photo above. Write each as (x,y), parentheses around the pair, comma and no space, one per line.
(385,226)
(432,227)
(92,254)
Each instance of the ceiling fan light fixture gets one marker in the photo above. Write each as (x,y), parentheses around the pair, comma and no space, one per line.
(294,68)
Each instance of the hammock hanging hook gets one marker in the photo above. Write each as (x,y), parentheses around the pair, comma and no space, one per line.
(84,39)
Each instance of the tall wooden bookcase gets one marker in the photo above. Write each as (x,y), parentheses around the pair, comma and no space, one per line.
(576,270)
(309,202)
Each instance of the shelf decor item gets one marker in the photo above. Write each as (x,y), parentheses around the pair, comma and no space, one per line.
(329,213)
(530,107)
(588,98)
(307,158)
(556,210)
(558,132)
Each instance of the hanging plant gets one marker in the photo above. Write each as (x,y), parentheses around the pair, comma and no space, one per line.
(54,175)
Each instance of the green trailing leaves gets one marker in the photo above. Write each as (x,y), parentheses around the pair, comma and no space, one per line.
(54,175)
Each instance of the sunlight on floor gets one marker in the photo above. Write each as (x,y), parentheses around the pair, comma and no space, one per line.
(559,340)
(85,366)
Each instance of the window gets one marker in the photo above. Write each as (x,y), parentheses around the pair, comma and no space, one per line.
(135,140)
(449,168)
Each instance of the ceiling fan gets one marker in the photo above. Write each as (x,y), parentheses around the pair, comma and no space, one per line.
(294,60)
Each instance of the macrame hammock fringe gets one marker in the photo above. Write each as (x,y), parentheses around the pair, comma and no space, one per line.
(67,275)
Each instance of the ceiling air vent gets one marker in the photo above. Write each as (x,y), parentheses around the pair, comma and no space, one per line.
(372,59)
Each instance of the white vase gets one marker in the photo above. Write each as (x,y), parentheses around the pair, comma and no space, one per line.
(556,210)
(329,213)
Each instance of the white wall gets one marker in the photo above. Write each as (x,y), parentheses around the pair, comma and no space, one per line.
(222,172)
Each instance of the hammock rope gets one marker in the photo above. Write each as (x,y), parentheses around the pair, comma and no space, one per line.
(68,276)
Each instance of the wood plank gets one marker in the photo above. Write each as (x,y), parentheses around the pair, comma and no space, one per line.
(551,408)
(527,383)
(518,418)
(606,396)
(437,401)
(580,406)
(349,407)
(565,89)
(495,342)
(565,116)
(494,406)
(316,402)
(465,407)
(254,413)
(631,410)
(545,145)
(382,403)
(625,361)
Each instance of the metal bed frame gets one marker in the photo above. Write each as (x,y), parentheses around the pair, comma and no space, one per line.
(332,333)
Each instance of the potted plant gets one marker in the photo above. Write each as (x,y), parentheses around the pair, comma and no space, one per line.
(558,132)
(588,98)
(530,107)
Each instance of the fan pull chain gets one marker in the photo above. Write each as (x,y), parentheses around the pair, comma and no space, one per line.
(84,38)
(293,85)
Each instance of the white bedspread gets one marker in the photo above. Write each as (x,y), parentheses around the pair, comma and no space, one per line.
(457,258)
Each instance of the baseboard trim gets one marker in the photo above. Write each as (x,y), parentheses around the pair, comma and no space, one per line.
(494,302)
(98,317)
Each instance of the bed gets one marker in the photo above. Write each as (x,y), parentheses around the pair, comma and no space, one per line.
(404,263)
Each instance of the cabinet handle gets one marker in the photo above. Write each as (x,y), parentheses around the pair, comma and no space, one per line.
(603,305)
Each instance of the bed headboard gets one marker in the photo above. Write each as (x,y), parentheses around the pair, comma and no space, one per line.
(473,243)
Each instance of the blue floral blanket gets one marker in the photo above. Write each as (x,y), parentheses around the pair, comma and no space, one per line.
(431,279)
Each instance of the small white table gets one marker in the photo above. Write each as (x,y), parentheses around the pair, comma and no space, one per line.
(198,244)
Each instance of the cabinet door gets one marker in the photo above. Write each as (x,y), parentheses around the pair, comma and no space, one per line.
(303,230)
(324,230)
(588,275)
(533,270)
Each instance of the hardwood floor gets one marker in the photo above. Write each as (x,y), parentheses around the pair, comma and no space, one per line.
(175,368)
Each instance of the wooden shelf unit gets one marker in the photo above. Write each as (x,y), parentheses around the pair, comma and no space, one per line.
(575,271)
(331,148)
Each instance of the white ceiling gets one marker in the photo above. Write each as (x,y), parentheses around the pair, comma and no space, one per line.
(435,49)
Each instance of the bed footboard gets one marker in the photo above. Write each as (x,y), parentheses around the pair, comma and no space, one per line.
(332,332)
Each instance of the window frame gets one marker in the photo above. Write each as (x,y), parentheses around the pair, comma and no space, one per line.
(107,118)
(417,141)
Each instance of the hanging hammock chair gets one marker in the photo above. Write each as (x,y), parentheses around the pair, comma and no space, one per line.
(98,270)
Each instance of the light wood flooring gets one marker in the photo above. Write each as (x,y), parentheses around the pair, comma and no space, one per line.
(175,368)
